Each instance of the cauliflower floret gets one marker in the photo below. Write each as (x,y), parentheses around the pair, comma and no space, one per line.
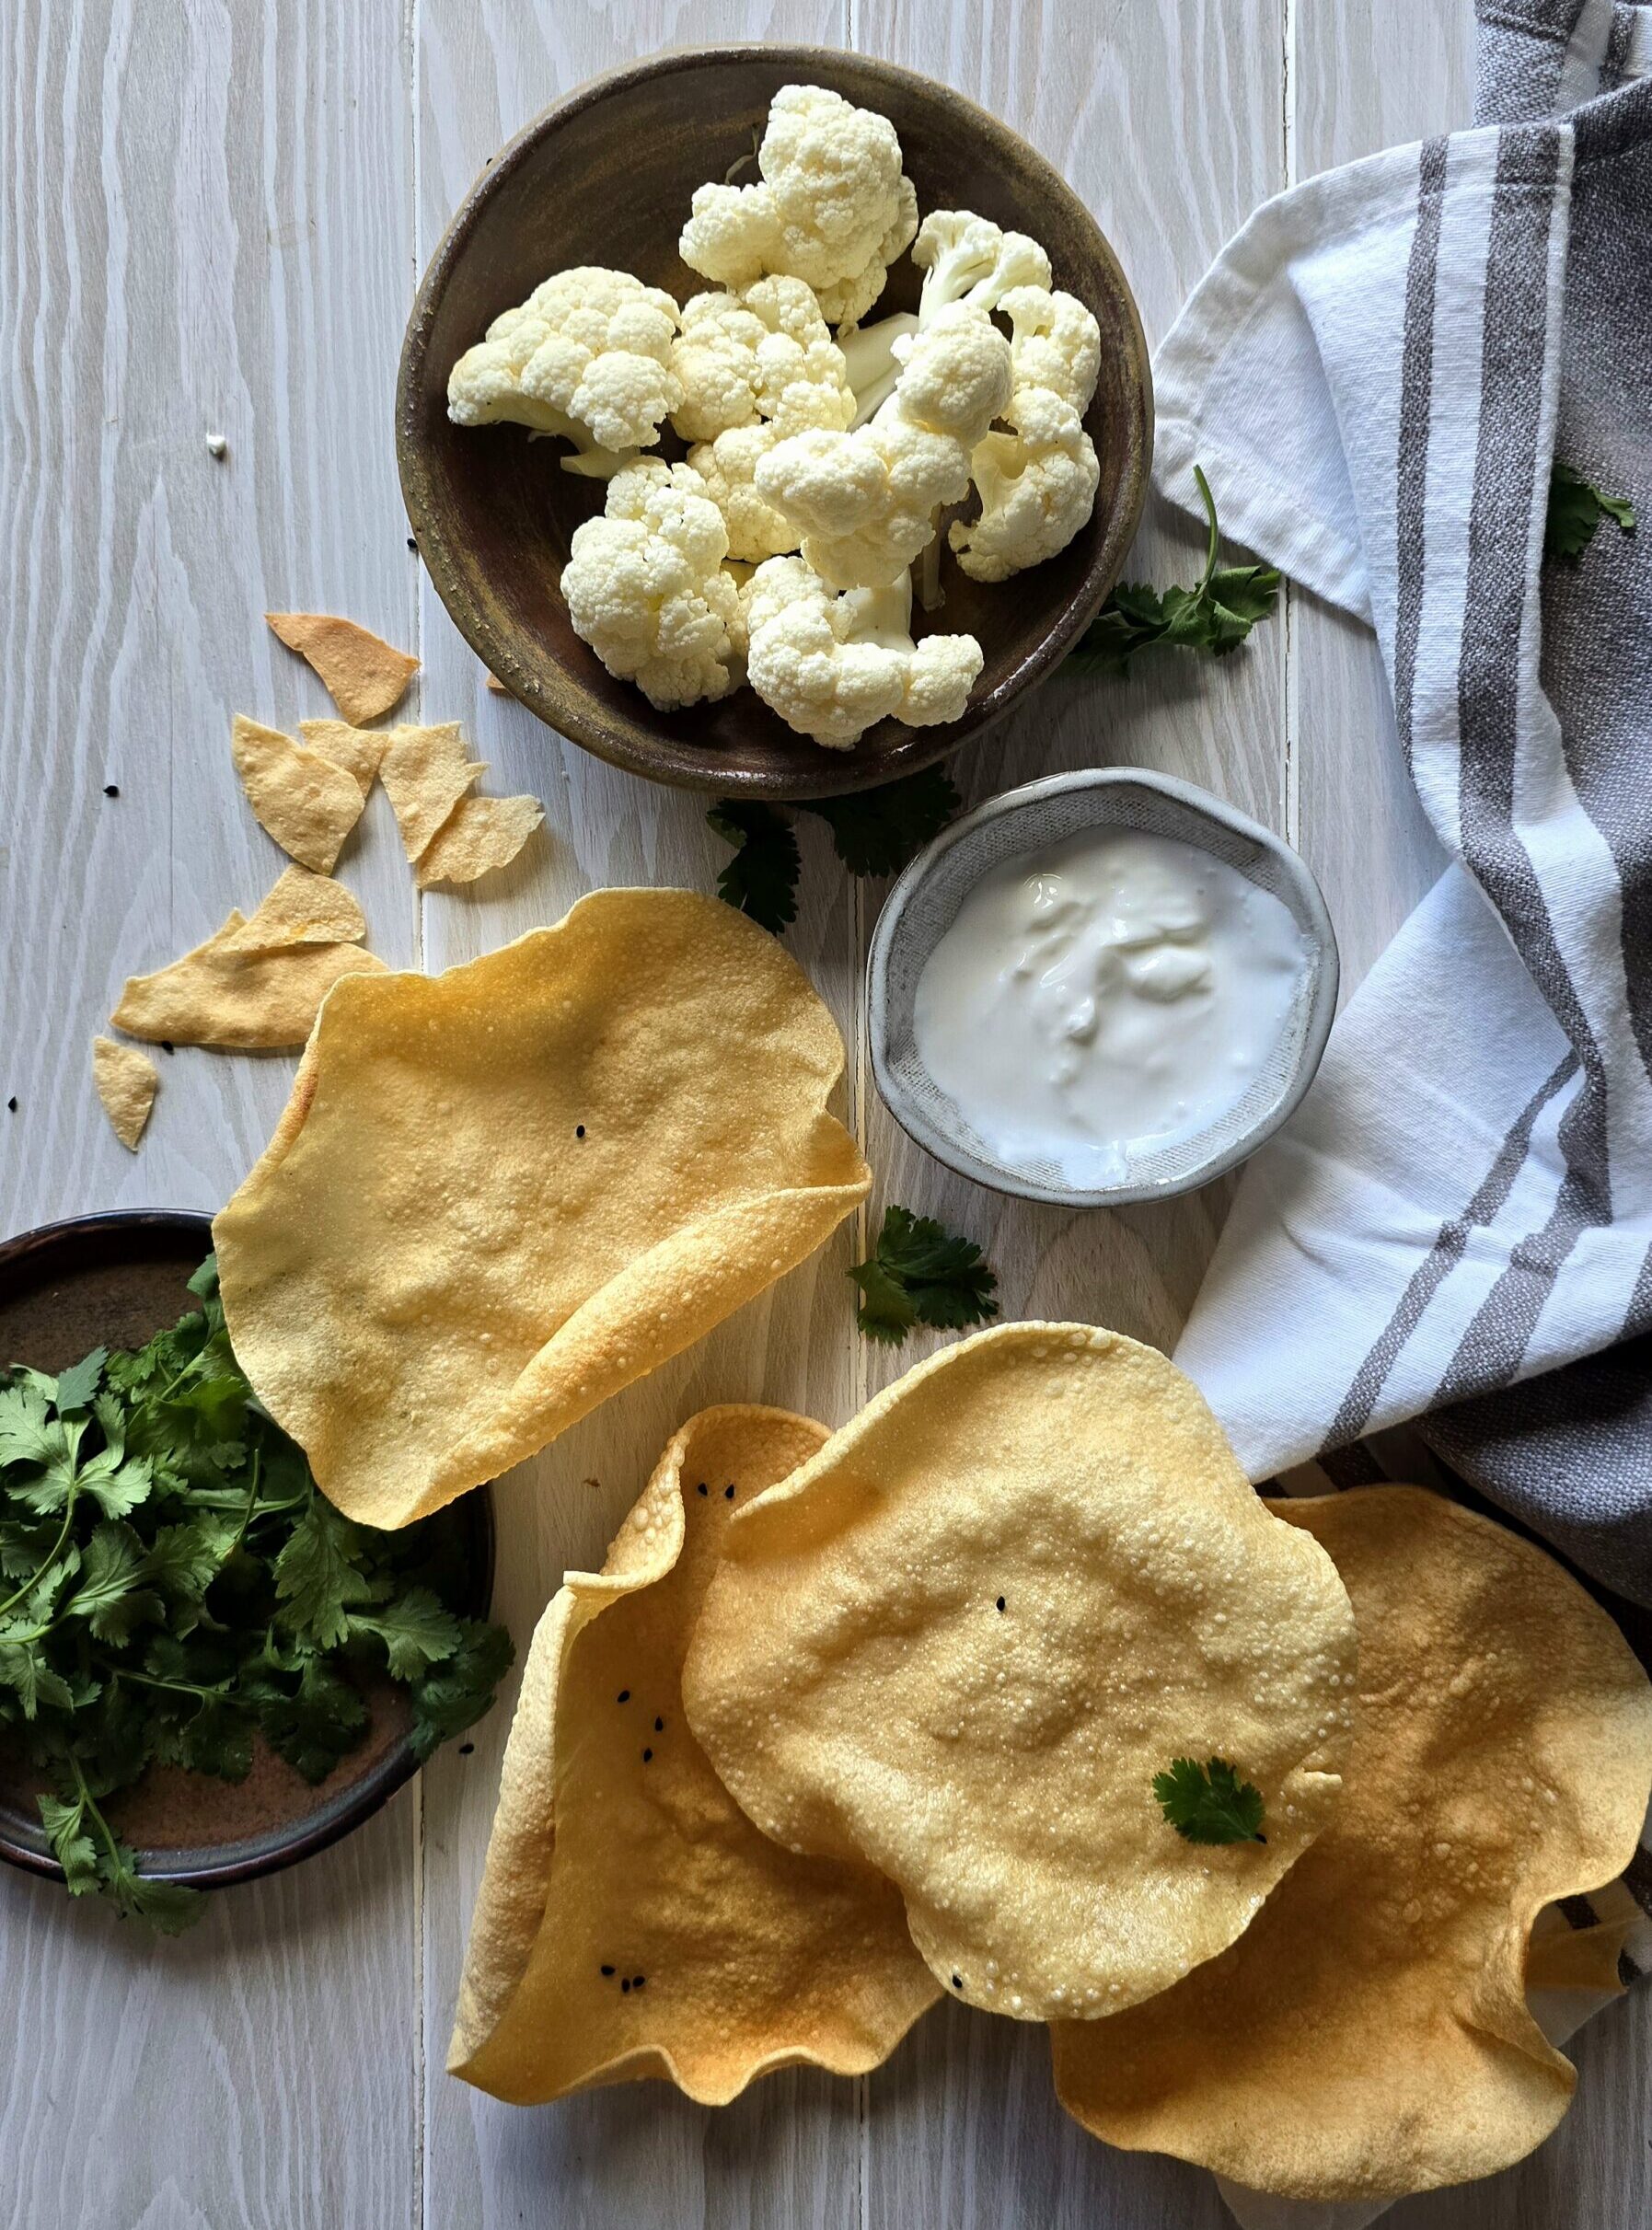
(588,356)
(1054,343)
(1038,488)
(968,258)
(833,666)
(645,587)
(865,501)
(833,207)
(740,354)
(728,465)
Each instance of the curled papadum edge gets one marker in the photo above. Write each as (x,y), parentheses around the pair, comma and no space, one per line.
(1370,2036)
(631,1921)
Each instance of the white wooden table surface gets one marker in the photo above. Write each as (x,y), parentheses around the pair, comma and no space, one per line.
(214,213)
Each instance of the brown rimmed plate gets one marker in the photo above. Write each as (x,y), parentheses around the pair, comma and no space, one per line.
(606,176)
(113,1280)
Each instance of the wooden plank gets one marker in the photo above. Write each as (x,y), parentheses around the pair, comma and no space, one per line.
(207,230)
(1167,119)
(790,2150)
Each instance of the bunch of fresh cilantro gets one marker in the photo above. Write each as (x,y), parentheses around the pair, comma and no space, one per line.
(175,1584)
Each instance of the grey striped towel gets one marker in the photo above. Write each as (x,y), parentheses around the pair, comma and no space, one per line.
(1380,376)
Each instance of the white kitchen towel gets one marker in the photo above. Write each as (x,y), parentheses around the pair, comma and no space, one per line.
(1379,376)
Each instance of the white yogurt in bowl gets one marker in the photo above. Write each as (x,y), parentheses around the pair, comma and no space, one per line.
(1116,993)
(1103,986)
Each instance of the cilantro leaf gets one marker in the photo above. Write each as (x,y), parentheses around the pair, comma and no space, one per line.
(1209,1803)
(25,1434)
(876,832)
(1216,615)
(920,1273)
(1576,509)
(316,1576)
(25,1672)
(204,1285)
(71,1845)
(456,1694)
(415,1630)
(76,1385)
(167,1906)
(116,1485)
(316,1724)
(761,878)
(110,1597)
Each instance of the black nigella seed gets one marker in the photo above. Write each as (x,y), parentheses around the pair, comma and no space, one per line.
(11,1106)
(412,545)
(168,1046)
(728,1493)
(702,1486)
(624,1695)
(957,1982)
(646,1756)
(659,1726)
(626,1986)
(607,1970)
(111,789)
(579,1130)
(1000,1602)
(467,1749)
(638,1980)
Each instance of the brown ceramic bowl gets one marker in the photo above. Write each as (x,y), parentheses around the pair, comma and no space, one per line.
(606,176)
(113,1280)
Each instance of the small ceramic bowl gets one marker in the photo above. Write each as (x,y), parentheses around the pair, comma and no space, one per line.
(608,177)
(113,1280)
(925,902)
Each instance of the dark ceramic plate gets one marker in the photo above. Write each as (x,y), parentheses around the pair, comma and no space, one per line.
(606,178)
(111,1281)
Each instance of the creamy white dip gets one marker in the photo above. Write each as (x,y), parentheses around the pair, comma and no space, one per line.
(1112,995)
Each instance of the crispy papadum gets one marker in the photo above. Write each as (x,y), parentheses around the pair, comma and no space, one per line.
(426,772)
(631,1921)
(238,1002)
(959,1643)
(357,750)
(498,1195)
(365,676)
(127,1081)
(479,835)
(299,908)
(304,800)
(1370,2036)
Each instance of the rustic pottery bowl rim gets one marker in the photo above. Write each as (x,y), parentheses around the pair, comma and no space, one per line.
(553,691)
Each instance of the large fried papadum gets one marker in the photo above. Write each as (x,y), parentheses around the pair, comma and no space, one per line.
(498,1195)
(961,1641)
(631,1920)
(1370,2036)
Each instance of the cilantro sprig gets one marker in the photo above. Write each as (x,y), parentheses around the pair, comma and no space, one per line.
(874,832)
(174,1585)
(1209,1803)
(1215,614)
(1576,509)
(920,1273)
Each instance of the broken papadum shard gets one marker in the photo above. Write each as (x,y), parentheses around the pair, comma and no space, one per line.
(631,1921)
(365,676)
(425,772)
(127,1081)
(479,835)
(959,1643)
(307,801)
(299,908)
(501,1194)
(1370,2036)
(236,1001)
(357,750)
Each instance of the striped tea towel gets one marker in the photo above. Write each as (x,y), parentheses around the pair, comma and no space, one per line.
(1379,376)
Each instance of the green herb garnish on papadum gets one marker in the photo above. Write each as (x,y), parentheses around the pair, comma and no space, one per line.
(173,1585)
